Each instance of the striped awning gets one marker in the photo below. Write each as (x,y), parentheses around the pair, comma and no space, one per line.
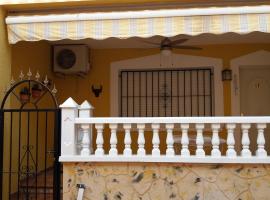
(167,23)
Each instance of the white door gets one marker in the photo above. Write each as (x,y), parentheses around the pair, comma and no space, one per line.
(255,98)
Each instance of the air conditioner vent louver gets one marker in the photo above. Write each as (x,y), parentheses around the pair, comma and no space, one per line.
(71,59)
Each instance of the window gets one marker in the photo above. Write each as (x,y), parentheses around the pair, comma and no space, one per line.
(166,92)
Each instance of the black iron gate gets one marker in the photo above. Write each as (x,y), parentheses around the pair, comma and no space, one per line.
(30,142)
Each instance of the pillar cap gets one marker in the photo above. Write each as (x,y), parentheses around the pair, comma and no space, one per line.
(86,106)
(69,103)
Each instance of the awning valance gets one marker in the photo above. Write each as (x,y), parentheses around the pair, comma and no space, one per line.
(167,23)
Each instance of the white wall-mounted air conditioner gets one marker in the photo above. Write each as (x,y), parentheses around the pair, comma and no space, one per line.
(71,59)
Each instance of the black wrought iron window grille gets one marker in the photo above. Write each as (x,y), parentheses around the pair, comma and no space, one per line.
(166,92)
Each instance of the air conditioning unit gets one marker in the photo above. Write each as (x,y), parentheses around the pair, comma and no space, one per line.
(71,59)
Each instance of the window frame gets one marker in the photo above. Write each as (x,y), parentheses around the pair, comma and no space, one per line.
(155,62)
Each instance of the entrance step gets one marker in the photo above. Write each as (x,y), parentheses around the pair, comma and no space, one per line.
(35,187)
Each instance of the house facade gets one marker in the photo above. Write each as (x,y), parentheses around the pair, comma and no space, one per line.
(176,97)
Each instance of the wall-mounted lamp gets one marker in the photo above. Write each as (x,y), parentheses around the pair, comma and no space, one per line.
(226,75)
(97,90)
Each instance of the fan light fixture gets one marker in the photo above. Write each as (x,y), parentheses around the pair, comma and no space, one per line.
(166,52)
(166,45)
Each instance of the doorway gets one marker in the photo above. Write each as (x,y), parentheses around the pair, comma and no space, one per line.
(255,98)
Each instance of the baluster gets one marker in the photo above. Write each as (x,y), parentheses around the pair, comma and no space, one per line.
(99,141)
(245,140)
(261,141)
(199,140)
(155,140)
(85,110)
(85,141)
(184,140)
(127,140)
(230,141)
(169,140)
(141,140)
(113,140)
(215,141)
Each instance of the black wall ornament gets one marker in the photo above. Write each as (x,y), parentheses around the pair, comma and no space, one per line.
(97,91)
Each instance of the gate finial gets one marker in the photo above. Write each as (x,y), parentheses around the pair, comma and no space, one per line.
(46,81)
(12,81)
(54,90)
(21,75)
(28,89)
(29,74)
(37,76)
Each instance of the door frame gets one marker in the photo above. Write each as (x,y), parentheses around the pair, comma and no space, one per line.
(258,58)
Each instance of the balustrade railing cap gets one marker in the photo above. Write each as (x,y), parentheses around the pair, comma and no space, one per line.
(86,106)
(69,103)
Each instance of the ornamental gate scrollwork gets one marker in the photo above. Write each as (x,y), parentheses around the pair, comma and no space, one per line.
(30,139)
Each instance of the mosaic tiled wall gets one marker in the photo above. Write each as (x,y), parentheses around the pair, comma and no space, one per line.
(143,181)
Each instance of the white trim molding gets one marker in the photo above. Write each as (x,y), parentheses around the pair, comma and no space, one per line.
(258,58)
(165,159)
(156,62)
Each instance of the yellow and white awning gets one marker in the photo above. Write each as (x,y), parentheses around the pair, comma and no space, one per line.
(167,23)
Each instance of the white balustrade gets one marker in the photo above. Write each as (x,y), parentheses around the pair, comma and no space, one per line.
(199,140)
(245,140)
(215,141)
(231,153)
(169,140)
(195,131)
(141,140)
(185,141)
(85,141)
(85,110)
(127,150)
(113,141)
(261,152)
(155,140)
(99,151)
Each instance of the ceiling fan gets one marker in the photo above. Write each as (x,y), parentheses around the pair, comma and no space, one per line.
(166,45)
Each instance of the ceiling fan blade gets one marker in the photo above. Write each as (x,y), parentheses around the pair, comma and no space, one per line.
(153,43)
(187,47)
(179,41)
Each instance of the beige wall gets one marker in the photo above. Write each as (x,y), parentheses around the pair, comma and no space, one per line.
(37,56)
(146,181)
(5,54)
(5,71)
